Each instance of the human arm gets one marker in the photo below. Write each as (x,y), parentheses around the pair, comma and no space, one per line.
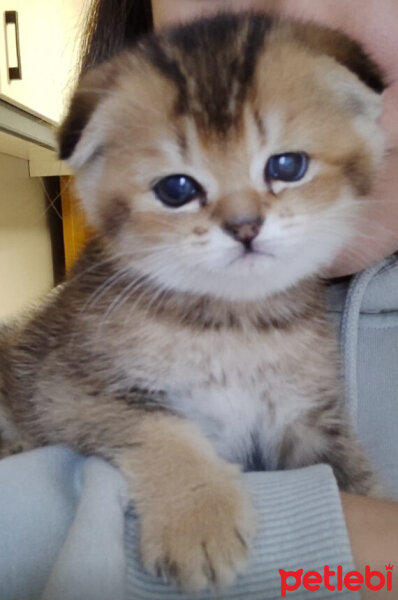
(373,531)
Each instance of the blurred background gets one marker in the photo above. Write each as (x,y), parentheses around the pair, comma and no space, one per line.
(41,226)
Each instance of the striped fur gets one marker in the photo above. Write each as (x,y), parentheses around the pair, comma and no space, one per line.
(169,351)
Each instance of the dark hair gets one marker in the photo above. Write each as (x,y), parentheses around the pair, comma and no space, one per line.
(111,26)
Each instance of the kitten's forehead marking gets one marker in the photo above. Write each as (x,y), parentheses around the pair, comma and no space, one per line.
(213,79)
(258,119)
(182,143)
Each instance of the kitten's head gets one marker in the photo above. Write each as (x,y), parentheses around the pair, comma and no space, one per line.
(229,157)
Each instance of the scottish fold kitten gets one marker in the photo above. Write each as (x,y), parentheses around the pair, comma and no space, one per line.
(223,165)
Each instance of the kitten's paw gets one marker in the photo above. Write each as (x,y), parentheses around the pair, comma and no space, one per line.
(202,539)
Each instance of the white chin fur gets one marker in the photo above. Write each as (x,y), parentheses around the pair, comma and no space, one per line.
(269,276)
(249,278)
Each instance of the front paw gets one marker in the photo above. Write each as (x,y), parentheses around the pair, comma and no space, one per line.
(200,536)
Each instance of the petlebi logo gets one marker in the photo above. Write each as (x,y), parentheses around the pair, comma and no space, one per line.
(336,580)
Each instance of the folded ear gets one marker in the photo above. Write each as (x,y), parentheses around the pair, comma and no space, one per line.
(358,86)
(343,50)
(93,88)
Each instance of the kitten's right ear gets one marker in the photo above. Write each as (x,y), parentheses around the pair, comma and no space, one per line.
(91,91)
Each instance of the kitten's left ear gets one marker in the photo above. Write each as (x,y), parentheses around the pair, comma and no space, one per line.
(358,86)
(363,104)
(353,94)
(344,51)
(353,77)
(91,92)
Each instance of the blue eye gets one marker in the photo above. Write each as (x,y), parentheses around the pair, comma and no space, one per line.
(291,166)
(177,190)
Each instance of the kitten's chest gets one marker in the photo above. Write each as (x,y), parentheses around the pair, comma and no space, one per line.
(234,386)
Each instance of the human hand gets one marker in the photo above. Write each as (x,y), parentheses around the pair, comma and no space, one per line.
(373,24)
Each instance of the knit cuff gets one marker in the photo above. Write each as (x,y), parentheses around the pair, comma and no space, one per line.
(300,526)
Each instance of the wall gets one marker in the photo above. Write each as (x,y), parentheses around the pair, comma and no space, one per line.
(26,266)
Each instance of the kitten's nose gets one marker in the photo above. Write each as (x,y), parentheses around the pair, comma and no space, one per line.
(244,229)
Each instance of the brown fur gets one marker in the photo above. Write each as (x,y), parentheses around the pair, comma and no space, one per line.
(155,363)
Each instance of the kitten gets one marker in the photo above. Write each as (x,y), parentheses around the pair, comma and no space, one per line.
(223,165)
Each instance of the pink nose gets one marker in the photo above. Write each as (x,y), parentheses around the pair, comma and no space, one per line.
(244,230)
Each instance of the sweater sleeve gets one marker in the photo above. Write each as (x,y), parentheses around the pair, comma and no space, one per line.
(63,535)
(301,526)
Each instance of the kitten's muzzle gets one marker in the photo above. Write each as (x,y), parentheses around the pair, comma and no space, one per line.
(244,230)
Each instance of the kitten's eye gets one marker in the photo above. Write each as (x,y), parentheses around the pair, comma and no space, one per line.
(291,166)
(177,190)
